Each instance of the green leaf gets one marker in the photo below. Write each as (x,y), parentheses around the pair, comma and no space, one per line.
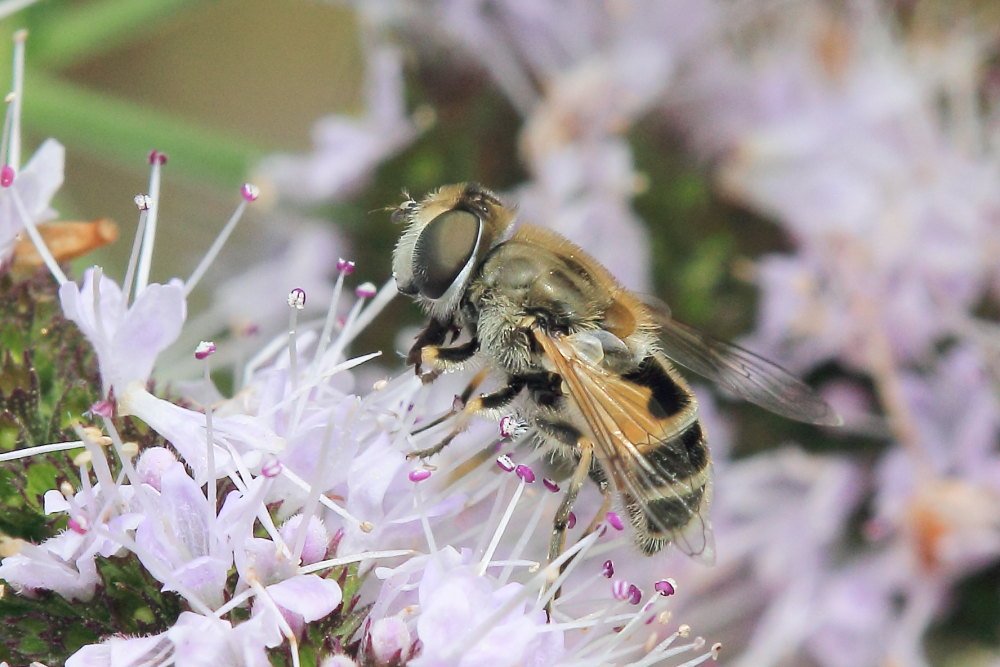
(41,478)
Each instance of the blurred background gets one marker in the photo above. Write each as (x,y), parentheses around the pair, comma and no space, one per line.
(818,181)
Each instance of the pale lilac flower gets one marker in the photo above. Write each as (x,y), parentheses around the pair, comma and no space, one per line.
(454,599)
(36,183)
(186,430)
(64,564)
(194,640)
(315,540)
(126,337)
(390,639)
(180,543)
(152,463)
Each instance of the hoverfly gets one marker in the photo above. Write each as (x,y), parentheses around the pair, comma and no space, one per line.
(585,362)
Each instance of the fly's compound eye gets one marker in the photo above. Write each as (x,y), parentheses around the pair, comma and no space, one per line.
(446,245)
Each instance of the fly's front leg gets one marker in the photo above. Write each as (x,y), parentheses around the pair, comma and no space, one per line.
(433,334)
(441,359)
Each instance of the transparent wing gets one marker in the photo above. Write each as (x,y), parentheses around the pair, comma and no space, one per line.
(747,375)
(618,414)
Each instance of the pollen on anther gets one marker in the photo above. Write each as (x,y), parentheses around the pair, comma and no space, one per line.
(550,485)
(7,174)
(297,298)
(525,473)
(419,475)
(665,587)
(249,192)
(345,266)
(143,202)
(506,463)
(204,350)
(365,291)
(716,650)
(615,521)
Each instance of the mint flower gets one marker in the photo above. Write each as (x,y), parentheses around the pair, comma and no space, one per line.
(32,187)
(127,337)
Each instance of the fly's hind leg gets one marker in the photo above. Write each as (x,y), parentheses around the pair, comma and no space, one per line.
(560,524)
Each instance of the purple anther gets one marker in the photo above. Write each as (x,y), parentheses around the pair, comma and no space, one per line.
(507,426)
(143,202)
(525,473)
(79,524)
(297,298)
(634,594)
(608,569)
(204,350)
(7,174)
(665,587)
(156,157)
(614,520)
(271,468)
(249,192)
(366,291)
(571,521)
(506,463)
(345,266)
(550,485)
(419,475)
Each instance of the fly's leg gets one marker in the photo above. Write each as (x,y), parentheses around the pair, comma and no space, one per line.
(484,403)
(460,400)
(602,512)
(439,358)
(433,334)
(560,523)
